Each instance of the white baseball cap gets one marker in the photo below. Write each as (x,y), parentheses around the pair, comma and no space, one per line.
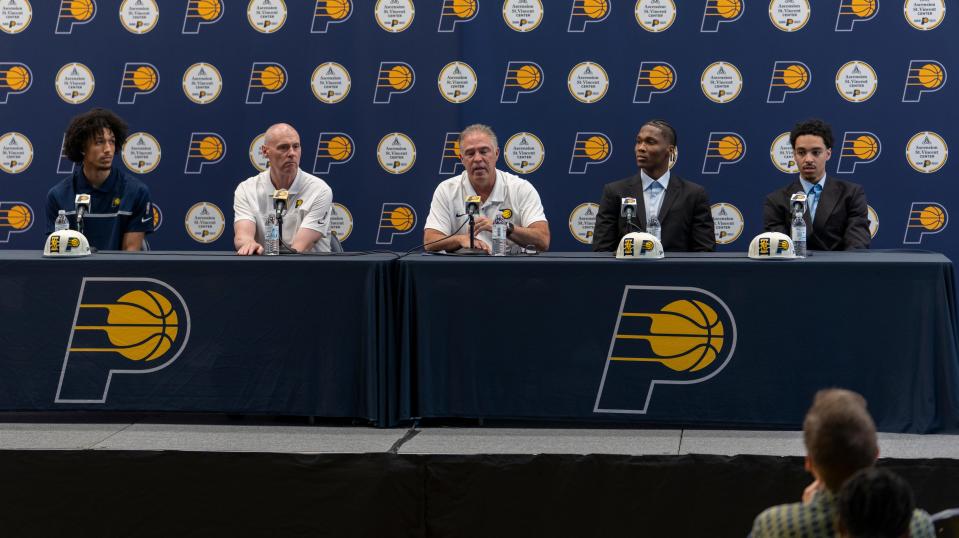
(66,244)
(639,245)
(770,245)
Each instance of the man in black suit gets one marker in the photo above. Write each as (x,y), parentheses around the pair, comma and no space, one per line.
(836,215)
(683,208)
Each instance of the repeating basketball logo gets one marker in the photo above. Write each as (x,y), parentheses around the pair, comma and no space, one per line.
(121,326)
(266,16)
(582,221)
(723,148)
(64,165)
(523,15)
(586,12)
(521,77)
(721,82)
(15,16)
(923,76)
(75,83)
(789,15)
(157,216)
(587,82)
(394,15)
(589,148)
(925,218)
(332,149)
(450,161)
(924,14)
(341,222)
(653,78)
(393,78)
(15,78)
(858,147)
(457,82)
(73,13)
(141,153)
(852,12)
(200,13)
(139,16)
(330,82)
(327,12)
(873,218)
(204,149)
(139,78)
(266,78)
(926,152)
(257,159)
(396,218)
(204,222)
(856,81)
(524,153)
(789,76)
(655,15)
(15,218)
(454,12)
(396,153)
(202,83)
(782,155)
(719,12)
(664,336)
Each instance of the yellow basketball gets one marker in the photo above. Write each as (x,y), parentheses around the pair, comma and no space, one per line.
(528,77)
(337,9)
(863,8)
(795,76)
(661,77)
(595,9)
(272,78)
(144,78)
(208,10)
(728,9)
(401,218)
(930,75)
(211,148)
(19,217)
(339,148)
(596,148)
(456,149)
(400,77)
(865,147)
(932,218)
(730,148)
(464,9)
(142,324)
(690,334)
(17,78)
(81,10)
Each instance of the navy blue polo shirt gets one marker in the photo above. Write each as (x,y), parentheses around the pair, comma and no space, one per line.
(120,205)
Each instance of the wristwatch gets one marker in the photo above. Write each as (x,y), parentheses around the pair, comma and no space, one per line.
(509,228)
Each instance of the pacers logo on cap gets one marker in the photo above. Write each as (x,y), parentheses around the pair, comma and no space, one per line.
(721,149)
(719,12)
(64,165)
(15,218)
(16,153)
(396,218)
(122,326)
(587,12)
(201,12)
(451,162)
(454,12)
(15,16)
(923,76)
(393,78)
(654,77)
(788,77)
(925,218)
(924,14)
(394,15)
(589,149)
(327,12)
(521,77)
(853,11)
(332,149)
(663,336)
(858,147)
(266,16)
(138,79)
(655,15)
(15,77)
(789,15)
(73,12)
(265,78)
(205,148)
(523,15)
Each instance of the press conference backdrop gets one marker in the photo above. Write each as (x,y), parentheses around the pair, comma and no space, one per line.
(378,89)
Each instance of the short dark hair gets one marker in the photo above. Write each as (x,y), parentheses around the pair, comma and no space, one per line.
(875,503)
(840,436)
(666,128)
(88,125)
(815,127)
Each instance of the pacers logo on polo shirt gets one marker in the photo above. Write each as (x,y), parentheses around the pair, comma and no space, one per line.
(16,153)
(925,218)
(454,12)
(74,12)
(720,12)
(923,76)
(589,148)
(788,77)
(200,13)
(858,147)
(332,149)
(654,77)
(723,148)
(396,218)
(854,11)
(139,78)
(15,16)
(122,326)
(587,12)
(266,78)
(450,162)
(393,78)
(15,218)
(521,77)
(15,78)
(663,336)
(327,12)
(204,149)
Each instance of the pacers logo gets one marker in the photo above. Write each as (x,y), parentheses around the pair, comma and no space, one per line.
(75,83)
(788,77)
(926,152)
(655,15)
(454,12)
(266,16)
(15,218)
(138,79)
(782,154)
(65,165)
(393,77)
(205,148)
(332,149)
(853,11)
(720,11)
(721,82)
(663,335)
(582,221)
(74,12)
(789,15)
(524,153)
(654,77)
(587,82)
(457,82)
(122,326)
(451,162)
(330,82)
(856,81)
(202,83)
(141,153)
(15,77)
(394,15)
(521,77)
(925,218)
(201,12)
(924,14)
(523,15)
(396,153)
(723,149)
(587,12)
(396,218)
(15,16)
(327,12)
(858,147)
(923,76)
(265,78)
(139,16)
(16,153)
(589,149)
(204,222)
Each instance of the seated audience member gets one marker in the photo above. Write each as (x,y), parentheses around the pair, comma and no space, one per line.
(875,503)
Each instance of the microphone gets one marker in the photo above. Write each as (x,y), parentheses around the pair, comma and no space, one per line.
(472,205)
(280,197)
(627,209)
(82,204)
(798,202)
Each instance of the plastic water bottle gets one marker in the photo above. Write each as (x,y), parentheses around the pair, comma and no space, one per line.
(799,235)
(653,227)
(61,223)
(499,236)
(272,247)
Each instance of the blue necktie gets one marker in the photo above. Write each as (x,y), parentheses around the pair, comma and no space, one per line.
(655,188)
(814,192)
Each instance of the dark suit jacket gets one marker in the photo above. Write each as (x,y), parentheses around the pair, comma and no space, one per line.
(842,220)
(685,216)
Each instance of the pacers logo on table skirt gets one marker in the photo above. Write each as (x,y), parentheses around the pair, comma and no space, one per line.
(663,335)
(15,218)
(327,12)
(396,218)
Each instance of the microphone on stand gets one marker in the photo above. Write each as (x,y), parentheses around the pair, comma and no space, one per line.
(280,197)
(82,204)
(472,204)
(627,209)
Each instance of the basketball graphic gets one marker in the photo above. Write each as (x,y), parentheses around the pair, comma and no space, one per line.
(208,10)
(142,325)
(211,148)
(337,9)
(932,218)
(730,148)
(401,218)
(930,75)
(17,78)
(865,147)
(272,78)
(729,9)
(18,217)
(863,8)
(339,148)
(595,9)
(661,77)
(400,77)
(144,78)
(528,77)
(81,10)
(464,9)
(795,76)
(596,148)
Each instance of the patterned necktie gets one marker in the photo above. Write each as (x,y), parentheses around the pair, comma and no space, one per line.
(814,192)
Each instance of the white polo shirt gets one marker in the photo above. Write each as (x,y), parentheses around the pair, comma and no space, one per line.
(509,192)
(309,206)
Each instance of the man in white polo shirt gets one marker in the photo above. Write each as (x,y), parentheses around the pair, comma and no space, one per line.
(306,224)
(446,227)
